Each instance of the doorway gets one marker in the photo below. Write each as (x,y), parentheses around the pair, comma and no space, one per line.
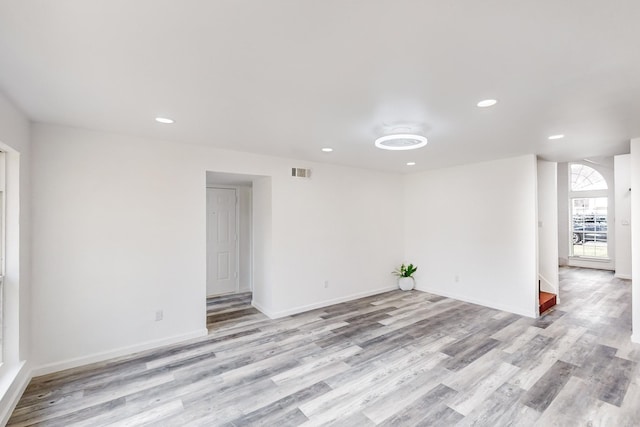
(230,246)
(222,241)
(229,233)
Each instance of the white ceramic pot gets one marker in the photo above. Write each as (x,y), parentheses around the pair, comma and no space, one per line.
(406,283)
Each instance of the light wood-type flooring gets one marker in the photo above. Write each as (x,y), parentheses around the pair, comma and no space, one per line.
(394,359)
(230,309)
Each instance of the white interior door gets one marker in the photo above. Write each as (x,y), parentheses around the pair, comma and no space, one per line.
(222,272)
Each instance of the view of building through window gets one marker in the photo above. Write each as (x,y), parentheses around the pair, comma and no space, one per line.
(589,227)
(589,215)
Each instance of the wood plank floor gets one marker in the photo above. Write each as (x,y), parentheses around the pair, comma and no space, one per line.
(395,359)
(229,309)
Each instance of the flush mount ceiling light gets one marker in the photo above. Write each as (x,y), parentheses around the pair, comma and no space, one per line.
(401,141)
(556,137)
(411,163)
(164,120)
(487,103)
(327,149)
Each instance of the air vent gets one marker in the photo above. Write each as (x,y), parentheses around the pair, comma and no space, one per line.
(301,173)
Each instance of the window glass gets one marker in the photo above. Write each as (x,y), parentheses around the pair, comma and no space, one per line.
(589,227)
(585,178)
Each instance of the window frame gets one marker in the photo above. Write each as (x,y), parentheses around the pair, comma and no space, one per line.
(586,194)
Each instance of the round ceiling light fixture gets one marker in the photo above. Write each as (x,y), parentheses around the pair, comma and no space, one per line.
(327,149)
(559,136)
(165,120)
(401,141)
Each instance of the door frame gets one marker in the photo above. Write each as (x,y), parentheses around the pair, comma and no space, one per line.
(237,231)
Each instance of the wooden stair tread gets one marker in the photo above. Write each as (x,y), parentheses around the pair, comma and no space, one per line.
(547,300)
(546,296)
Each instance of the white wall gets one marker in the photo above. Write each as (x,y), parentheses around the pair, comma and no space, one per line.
(622,171)
(634,160)
(119,232)
(244,238)
(477,224)
(262,243)
(343,226)
(15,141)
(548,226)
(563,213)
(606,167)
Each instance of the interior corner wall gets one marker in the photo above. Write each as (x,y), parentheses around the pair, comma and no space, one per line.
(14,371)
(472,232)
(634,160)
(622,174)
(119,233)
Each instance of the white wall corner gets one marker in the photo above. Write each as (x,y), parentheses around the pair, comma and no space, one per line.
(262,309)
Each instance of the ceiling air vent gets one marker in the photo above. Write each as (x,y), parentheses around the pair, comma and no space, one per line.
(301,173)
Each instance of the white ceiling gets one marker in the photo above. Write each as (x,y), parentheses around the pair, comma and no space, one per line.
(290,77)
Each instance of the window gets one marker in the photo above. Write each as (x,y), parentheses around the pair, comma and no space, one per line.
(589,212)
(585,178)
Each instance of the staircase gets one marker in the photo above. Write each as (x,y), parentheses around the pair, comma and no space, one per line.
(547,301)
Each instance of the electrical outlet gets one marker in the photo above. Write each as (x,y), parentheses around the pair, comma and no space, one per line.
(326,284)
(456,278)
(159,315)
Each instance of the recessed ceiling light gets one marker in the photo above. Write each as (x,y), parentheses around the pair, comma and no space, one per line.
(411,163)
(164,120)
(401,141)
(327,149)
(556,137)
(487,103)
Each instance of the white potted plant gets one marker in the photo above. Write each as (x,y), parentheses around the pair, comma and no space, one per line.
(406,281)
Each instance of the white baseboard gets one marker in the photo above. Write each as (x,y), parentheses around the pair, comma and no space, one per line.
(483,303)
(119,352)
(17,380)
(623,276)
(590,263)
(277,314)
(260,308)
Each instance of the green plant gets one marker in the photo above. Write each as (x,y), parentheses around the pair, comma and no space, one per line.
(405,270)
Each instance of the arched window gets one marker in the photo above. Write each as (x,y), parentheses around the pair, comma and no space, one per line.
(589,205)
(585,178)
